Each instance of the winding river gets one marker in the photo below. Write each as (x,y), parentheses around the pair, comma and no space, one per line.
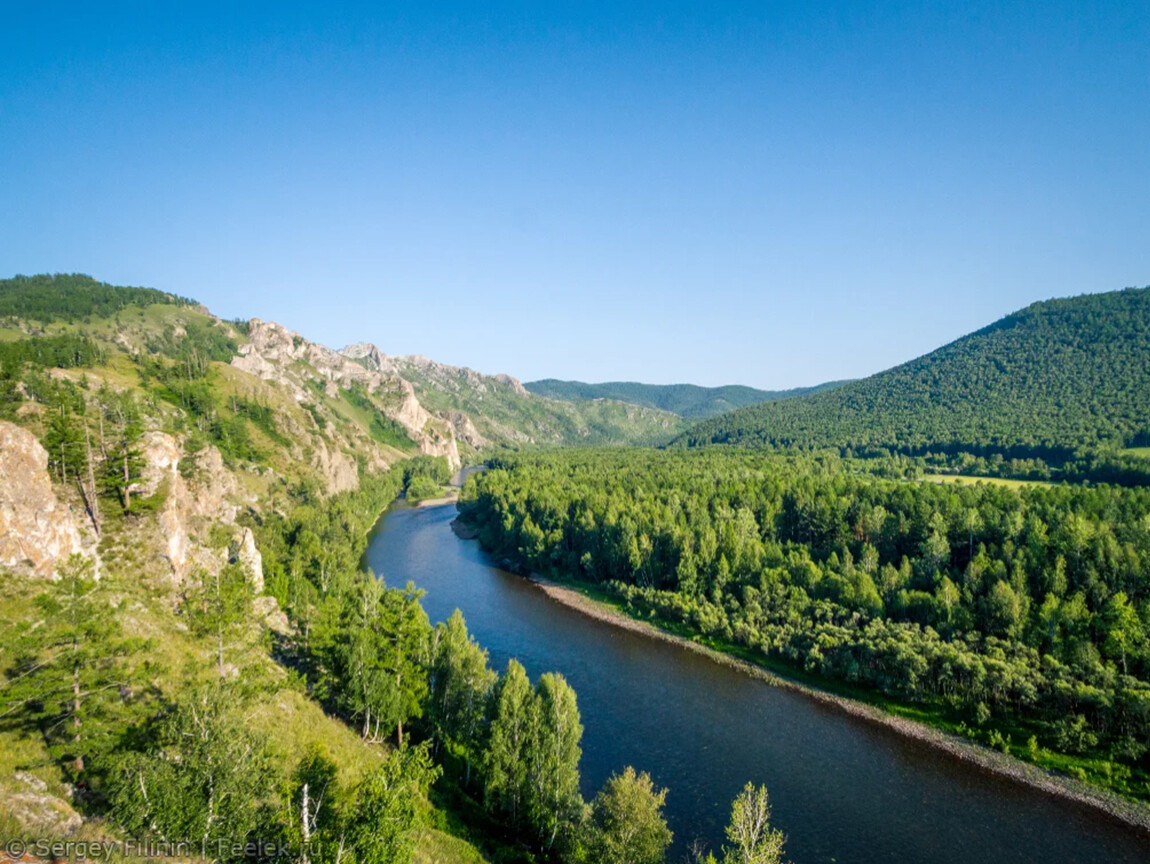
(842,789)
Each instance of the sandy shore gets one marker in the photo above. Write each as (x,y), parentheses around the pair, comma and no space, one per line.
(1113,805)
(438,502)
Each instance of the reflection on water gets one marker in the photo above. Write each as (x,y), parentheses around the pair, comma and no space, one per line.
(843,790)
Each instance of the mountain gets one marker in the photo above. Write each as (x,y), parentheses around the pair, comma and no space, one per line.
(497,410)
(689,401)
(1050,378)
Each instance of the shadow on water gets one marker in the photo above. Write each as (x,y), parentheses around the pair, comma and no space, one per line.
(843,790)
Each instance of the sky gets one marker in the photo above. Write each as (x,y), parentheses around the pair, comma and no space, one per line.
(772,194)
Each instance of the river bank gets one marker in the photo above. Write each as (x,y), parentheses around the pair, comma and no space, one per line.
(1112,805)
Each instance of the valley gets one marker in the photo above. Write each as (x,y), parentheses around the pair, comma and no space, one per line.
(189,504)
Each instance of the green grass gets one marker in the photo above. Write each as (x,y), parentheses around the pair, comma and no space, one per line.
(969,480)
(1141,452)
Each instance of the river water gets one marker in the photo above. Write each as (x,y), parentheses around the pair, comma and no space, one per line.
(842,790)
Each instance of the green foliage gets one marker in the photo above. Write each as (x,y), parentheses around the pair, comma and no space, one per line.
(196,774)
(72,297)
(381,427)
(688,401)
(434,468)
(627,824)
(511,738)
(423,488)
(69,679)
(750,835)
(1028,604)
(66,351)
(219,605)
(1055,382)
(386,813)
(460,683)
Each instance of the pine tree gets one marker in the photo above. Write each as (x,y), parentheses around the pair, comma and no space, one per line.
(70,678)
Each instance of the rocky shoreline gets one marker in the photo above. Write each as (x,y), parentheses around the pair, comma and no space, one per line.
(1114,806)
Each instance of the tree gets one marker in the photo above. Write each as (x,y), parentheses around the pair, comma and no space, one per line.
(1003,611)
(752,839)
(459,683)
(198,774)
(124,462)
(627,824)
(312,818)
(513,718)
(387,809)
(1124,631)
(70,674)
(220,605)
(403,659)
(554,759)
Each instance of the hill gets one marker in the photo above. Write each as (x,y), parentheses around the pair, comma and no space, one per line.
(499,411)
(1049,380)
(689,401)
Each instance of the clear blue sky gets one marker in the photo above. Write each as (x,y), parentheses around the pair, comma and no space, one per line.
(772,194)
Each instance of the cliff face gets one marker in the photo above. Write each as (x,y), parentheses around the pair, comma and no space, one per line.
(274,353)
(37,531)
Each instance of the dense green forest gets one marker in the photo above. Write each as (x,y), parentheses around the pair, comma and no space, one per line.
(1019,614)
(1053,382)
(689,401)
(72,297)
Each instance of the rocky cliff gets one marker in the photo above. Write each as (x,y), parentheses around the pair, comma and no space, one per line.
(274,353)
(37,530)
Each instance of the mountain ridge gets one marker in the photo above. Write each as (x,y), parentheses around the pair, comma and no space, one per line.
(689,401)
(1052,377)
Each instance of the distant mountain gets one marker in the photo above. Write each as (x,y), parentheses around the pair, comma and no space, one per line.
(688,401)
(497,410)
(1055,376)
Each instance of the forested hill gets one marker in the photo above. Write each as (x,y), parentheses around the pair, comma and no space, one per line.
(689,401)
(1048,379)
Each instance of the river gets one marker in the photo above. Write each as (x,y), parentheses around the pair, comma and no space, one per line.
(842,789)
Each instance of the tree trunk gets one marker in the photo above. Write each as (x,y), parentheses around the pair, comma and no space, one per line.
(78,765)
(89,493)
(127,477)
(305,825)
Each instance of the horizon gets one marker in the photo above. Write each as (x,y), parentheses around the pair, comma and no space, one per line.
(770,198)
(492,372)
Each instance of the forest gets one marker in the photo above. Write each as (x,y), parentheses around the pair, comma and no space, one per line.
(72,297)
(1018,615)
(1060,384)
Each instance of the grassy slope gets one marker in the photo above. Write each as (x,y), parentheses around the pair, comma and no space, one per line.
(506,417)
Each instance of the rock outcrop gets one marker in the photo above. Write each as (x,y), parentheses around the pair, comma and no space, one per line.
(465,430)
(36,810)
(192,505)
(249,556)
(514,383)
(277,354)
(37,531)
